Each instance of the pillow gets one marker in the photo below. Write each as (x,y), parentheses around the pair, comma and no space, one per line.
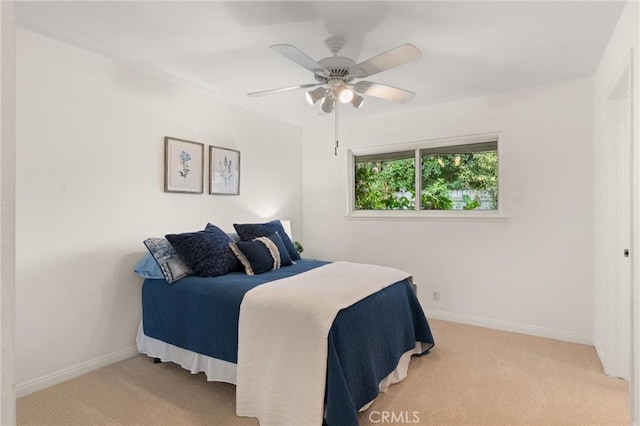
(147,267)
(285,259)
(171,264)
(206,252)
(257,256)
(249,231)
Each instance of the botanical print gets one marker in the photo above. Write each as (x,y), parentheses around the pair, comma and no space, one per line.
(224,171)
(183,166)
(184,161)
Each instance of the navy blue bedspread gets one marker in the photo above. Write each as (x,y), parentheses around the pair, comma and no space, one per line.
(365,341)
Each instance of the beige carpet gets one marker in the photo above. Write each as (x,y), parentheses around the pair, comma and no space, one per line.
(474,376)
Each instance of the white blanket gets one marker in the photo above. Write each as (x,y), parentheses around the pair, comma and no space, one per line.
(282,339)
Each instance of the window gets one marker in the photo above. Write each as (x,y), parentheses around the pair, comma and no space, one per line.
(385,181)
(460,177)
(451,175)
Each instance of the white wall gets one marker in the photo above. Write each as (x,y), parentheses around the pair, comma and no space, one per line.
(7,213)
(529,273)
(90,190)
(620,52)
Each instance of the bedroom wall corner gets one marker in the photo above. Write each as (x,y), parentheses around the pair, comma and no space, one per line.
(89,184)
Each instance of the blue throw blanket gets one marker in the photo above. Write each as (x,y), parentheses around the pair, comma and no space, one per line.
(365,341)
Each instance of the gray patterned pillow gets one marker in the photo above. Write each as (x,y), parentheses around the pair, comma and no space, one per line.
(172,266)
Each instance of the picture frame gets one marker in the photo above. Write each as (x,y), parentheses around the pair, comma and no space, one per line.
(183,166)
(224,171)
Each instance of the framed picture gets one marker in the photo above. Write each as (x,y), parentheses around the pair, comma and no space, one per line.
(183,166)
(224,171)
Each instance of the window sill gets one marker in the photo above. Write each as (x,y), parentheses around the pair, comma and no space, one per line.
(428,215)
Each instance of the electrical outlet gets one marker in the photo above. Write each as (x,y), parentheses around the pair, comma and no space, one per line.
(436,296)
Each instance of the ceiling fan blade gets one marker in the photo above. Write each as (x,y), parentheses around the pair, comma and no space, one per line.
(300,58)
(283,89)
(384,61)
(382,91)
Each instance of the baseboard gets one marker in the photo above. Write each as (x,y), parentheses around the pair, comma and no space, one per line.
(43,382)
(532,330)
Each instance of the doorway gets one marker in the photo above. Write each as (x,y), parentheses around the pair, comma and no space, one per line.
(620,126)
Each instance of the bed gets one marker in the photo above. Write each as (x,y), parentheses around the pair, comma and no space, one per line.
(204,325)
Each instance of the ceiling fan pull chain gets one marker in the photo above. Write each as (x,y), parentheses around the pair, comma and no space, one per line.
(335,150)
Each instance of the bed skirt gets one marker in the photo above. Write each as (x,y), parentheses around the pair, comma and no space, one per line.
(217,370)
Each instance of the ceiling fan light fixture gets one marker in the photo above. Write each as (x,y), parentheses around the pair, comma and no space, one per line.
(327,104)
(346,95)
(315,95)
(357,101)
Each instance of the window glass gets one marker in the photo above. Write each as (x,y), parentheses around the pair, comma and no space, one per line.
(463,177)
(385,181)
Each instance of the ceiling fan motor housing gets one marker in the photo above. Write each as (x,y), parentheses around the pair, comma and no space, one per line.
(338,67)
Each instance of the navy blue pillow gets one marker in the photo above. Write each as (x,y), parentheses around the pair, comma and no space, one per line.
(285,259)
(249,231)
(206,252)
(256,256)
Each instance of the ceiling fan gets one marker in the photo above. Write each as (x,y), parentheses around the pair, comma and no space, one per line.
(336,74)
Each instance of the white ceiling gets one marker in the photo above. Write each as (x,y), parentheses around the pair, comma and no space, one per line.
(222,48)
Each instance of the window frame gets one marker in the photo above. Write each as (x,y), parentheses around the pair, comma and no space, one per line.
(417,213)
